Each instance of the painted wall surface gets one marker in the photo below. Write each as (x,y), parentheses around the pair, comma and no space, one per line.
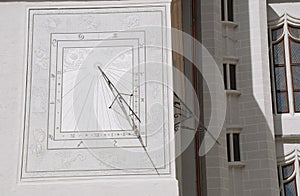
(46,53)
(285,124)
(286,13)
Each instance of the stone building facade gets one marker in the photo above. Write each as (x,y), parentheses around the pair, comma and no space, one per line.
(255,45)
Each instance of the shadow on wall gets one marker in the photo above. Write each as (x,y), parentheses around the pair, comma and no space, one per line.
(254,110)
(255,103)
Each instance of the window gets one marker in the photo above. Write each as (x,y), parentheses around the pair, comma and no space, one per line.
(222,10)
(225,75)
(294,48)
(228,147)
(279,68)
(287,179)
(285,67)
(227,10)
(236,147)
(232,76)
(229,72)
(233,147)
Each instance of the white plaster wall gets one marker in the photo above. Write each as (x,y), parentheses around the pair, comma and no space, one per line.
(285,124)
(13,31)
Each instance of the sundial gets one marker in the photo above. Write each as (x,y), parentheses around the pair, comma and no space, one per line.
(96,99)
(99,90)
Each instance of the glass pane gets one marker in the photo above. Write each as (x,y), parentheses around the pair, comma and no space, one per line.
(297,101)
(278,175)
(228,147)
(295,52)
(294,31)
(230,10)
(278,53)
(236,147)
(296,76)
(232,77)
(225,75)
(276,33)
(280,78)
(290,188)
(287,171)
(282,105)
(222,10)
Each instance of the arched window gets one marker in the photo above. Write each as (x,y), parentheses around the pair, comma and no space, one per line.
(285,64)
(294,48)
(287,179)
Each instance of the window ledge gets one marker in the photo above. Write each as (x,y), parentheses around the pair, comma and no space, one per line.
(234,128)
(236,164)
(287,137)
(229,24)
(231,59)
(233,93)
(287,115)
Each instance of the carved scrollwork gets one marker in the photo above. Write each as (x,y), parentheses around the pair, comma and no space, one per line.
(39,99)
(132,22)
(37,148)
(41,60)
(69,158)
(90,22)
(54,42)
(74,58)
(81,36)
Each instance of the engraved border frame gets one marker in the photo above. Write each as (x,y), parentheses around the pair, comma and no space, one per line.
(170,148)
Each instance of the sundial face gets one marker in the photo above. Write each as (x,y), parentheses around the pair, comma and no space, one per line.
(86,105)
(96,99)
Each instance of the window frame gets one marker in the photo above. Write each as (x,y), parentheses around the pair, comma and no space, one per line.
(284,65)
(286,36)
(293,177)
(229,136)
(292,65)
